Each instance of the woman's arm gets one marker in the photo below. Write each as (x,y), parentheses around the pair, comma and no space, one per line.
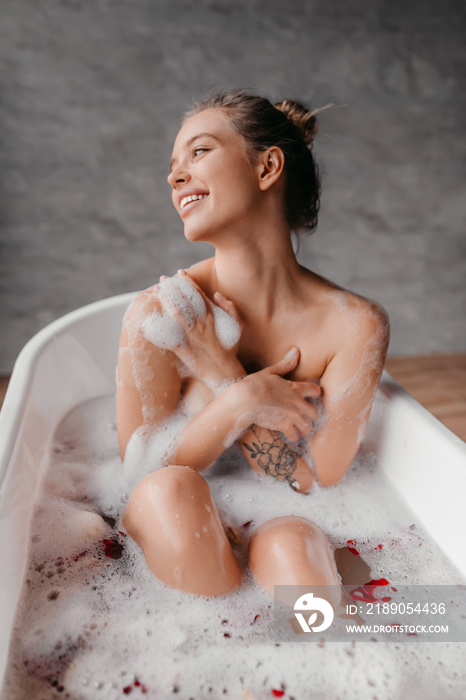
(149,391)
(349,384)
(264,400)
(268,453)
(265,449)
(148,383)
(256,407)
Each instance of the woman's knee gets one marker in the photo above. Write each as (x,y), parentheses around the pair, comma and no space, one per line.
(172,517)
(175,481)
(162,496)
(291,551)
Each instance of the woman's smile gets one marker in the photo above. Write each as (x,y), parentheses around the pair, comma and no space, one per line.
(188,200)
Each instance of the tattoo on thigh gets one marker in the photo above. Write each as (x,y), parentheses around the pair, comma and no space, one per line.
(273,456)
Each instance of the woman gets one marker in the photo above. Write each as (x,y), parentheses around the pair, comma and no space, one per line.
(243,177)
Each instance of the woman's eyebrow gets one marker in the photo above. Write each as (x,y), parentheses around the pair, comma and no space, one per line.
(190,141)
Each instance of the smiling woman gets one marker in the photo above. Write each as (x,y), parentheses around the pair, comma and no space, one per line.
(295,385)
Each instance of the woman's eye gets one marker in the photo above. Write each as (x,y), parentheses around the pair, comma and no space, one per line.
(200,149)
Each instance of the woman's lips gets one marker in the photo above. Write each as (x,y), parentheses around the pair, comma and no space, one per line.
(191,205)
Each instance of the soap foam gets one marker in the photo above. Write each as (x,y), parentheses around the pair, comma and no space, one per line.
(164,331)
(178,296)
(147,450)
(226,327)
(91,626)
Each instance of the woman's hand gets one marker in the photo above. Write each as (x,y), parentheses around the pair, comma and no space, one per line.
(202,334)
(272,402)
(266,401)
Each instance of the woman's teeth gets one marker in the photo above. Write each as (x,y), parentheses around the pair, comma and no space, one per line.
(191,198)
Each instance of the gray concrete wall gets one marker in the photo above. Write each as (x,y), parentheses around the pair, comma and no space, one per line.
(91,95)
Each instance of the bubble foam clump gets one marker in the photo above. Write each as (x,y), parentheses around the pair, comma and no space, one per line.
(226,327)
(146,451)
(94,623)
(163,330)
(179,297)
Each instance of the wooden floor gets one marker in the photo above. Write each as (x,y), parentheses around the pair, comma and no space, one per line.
(438,382)
(3,387)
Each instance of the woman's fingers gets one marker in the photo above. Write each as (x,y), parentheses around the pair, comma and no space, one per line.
(287,364)
(303,411)
(227,306)
(218,298)
(295,429)
(308,389)
(189,303)
(290,433)
(303,427)
(181,299)
(186,277)
(311,412)
(292,399)
(182,311)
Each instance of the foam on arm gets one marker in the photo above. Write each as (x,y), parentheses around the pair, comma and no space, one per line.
(148,382)
(150,394)
(349,384)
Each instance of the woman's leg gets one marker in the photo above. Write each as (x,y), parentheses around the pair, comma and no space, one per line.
(292,551)
(171,516)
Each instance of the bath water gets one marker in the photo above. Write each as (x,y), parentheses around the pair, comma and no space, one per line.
(94,623)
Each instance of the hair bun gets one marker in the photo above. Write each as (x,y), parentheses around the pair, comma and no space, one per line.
(304,119)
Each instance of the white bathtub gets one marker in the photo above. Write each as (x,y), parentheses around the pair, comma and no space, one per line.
(74,359)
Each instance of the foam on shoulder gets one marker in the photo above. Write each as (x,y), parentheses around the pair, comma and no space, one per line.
(180,301)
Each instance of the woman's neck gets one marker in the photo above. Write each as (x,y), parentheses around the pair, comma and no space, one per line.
(257,272)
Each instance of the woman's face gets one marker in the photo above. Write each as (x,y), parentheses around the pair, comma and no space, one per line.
(215,187)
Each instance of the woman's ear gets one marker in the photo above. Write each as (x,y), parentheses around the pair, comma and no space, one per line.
(270,166)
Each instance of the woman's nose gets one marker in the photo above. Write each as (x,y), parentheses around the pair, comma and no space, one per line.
(178,176)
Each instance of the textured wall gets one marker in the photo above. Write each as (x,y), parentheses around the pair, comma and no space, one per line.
(91,95)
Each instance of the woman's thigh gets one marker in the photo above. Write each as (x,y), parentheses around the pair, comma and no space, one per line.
(170,514)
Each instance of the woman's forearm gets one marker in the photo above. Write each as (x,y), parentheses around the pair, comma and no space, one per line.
(268,453)
(224,420)
(211,431)
(264,400)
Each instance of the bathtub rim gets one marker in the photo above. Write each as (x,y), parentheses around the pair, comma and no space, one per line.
(23,370)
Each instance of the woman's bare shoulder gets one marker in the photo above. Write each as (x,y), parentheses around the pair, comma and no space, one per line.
(202,274)
(143,304)
(147,301)
(343,301)
(362,329)
(359,309)
(349,317)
